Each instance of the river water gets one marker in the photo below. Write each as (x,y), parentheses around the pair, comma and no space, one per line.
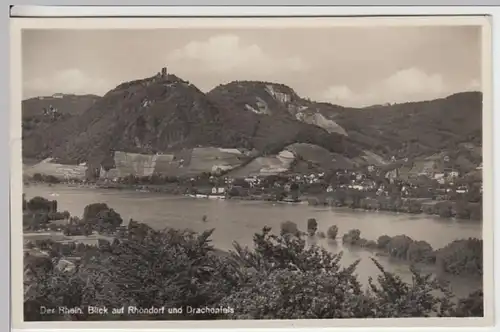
(238,220)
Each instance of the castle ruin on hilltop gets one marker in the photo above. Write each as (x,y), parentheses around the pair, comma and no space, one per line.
(162,74)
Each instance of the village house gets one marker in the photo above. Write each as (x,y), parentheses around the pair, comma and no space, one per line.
(369,184)
(252,181)
(392,175)
(218,190)
(405,191)
(228,180)
(356,187)
(360,176)
(440,178)
(301,179)
(311,178)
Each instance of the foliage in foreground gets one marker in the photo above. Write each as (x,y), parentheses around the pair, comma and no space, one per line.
(280,277)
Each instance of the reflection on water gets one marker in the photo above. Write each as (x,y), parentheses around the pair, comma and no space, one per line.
(239,220)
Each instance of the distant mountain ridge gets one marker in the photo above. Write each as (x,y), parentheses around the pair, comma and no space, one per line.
(164,114)
(415,128)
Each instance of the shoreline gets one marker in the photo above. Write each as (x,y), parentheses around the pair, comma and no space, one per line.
(309,200)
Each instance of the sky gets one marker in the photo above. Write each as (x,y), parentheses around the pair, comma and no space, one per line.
(349,66)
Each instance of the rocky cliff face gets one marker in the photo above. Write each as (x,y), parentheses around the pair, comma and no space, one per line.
(273,99)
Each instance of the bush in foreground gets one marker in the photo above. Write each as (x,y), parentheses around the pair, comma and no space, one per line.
(279,277)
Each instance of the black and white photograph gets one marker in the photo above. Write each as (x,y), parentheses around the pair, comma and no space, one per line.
(274,172)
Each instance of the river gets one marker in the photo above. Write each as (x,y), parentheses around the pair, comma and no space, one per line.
(238,220)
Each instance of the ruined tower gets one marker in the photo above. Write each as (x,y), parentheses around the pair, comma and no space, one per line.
(164,72)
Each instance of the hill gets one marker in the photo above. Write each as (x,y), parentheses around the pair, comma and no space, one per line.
(274,100)
(401,130)
(40,112)
(63,103)
(164,113)
(414,129)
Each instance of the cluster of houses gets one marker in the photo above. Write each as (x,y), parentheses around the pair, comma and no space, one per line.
(408,179)
(433,172)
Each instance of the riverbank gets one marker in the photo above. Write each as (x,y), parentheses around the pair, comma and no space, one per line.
(460,257)
(339,200)
(441,208)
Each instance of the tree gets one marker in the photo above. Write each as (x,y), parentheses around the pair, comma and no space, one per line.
(383,241)
(289,227)
(66,215)
(444,209)
(398,246)
(352,237)
(108,220)
(420,252)
(471,306)
(233,192)
(462,257)
(91,212)
(424,297)
(40,204)
(312,226)
(332,232)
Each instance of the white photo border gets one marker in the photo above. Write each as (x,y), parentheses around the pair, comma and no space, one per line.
(14,144)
